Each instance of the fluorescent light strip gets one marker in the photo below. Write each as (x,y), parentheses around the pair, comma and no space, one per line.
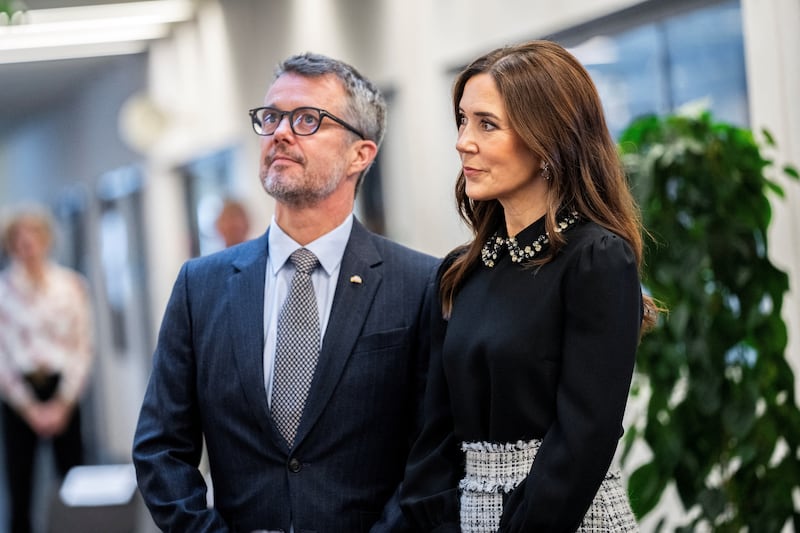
(160,10)
(99,35)
(91,31)
(72,52)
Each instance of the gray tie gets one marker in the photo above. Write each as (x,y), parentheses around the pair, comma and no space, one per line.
(296,348)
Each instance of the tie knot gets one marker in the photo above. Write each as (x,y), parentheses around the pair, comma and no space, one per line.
(304,260)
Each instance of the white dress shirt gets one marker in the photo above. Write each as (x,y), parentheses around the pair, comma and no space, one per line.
(329,249)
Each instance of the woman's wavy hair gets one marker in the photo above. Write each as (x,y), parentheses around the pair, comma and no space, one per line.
(553,105)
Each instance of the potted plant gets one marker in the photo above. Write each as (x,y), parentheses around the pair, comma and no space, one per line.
(721,421)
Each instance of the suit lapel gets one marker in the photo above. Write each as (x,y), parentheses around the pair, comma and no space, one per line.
(246,309)
(351,304)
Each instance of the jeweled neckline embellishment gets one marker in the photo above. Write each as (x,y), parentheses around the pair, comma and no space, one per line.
(491,250)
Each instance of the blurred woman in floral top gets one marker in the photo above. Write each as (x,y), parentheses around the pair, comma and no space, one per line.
(45,355)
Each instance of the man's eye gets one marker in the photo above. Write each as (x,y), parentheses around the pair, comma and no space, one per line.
(306,119)
(270,117)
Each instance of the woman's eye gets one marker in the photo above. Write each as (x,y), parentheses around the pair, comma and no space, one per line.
(487,126)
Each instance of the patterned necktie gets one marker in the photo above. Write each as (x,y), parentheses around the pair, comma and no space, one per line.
(296,348)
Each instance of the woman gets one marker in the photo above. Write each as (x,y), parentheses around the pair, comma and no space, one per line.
(543,309)
(45,356)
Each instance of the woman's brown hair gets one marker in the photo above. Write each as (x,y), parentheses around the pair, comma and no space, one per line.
(553,105)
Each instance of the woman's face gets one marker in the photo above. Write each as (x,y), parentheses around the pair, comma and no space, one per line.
(30,241)
(497,164)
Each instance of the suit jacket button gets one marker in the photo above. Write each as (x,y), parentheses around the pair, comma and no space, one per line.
(294,465)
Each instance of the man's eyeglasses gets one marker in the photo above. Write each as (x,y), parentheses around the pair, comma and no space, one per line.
(303,120)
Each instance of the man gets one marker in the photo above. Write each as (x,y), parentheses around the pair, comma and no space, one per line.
(232,223)
(322,451)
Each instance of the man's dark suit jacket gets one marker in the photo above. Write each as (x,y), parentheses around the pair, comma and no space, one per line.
(362,412)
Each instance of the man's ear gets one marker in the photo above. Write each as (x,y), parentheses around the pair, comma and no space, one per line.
(365,152)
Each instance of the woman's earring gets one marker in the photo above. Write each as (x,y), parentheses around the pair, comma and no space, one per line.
(545,171)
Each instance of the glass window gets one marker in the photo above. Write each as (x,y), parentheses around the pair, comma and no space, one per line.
(694,58)
(705,52)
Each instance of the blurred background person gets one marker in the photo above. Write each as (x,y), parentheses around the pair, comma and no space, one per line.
(233,222)
(45,356)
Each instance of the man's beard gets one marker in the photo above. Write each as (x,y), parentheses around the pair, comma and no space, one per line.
(299,187)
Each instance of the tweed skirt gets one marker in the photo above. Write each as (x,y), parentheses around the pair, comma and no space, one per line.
(493,470)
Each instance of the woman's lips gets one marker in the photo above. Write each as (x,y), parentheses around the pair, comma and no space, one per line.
(471,172)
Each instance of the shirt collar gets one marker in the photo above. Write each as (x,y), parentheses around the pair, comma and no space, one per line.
(329,248)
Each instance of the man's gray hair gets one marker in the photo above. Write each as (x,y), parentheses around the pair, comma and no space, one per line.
(365,107)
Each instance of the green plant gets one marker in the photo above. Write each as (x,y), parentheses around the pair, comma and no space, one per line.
(721,419)
(11,11)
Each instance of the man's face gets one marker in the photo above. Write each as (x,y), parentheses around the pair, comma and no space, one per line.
(303,170)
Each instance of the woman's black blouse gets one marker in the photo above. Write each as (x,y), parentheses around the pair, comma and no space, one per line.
(532,352)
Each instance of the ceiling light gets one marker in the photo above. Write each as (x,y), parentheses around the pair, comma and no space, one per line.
(90,31)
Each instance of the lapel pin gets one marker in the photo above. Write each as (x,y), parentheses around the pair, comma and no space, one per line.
(356,279)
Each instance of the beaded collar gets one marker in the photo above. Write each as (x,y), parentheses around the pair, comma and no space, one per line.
(495,244)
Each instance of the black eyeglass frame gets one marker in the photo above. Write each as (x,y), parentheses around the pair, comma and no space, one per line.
(322,114)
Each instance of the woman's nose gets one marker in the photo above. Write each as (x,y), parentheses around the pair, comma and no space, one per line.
(464,142)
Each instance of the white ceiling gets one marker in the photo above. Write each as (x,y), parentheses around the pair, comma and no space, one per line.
(28,88)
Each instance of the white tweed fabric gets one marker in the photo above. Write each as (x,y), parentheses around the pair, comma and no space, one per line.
(495,469)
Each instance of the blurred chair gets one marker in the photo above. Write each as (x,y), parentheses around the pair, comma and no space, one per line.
(101,499)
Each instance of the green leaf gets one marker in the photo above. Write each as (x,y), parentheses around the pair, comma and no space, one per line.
(791,171)
(645,486)
(712,501)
